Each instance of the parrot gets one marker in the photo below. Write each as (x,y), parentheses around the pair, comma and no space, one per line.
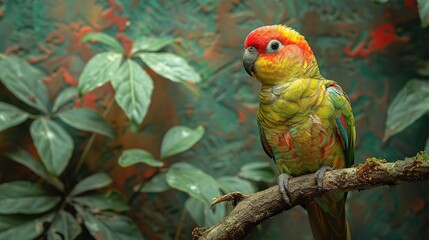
(305,121)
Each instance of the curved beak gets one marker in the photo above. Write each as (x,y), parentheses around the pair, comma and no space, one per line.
(249,58)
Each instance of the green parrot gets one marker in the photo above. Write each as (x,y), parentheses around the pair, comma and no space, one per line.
(305,121)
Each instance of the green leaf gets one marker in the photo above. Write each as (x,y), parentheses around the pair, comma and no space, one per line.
(53,143)
(25,198)
(111,227)
(64,227)
(105,39)
(24,81)
(10,116)
(203,214)
(170,66)
(87,119)
(99,70)
(22,227)
(423,12)
(112,200)
(193,181)
(22,157)
(235,184)
(179,139)
(133,90)
(132,156)
(150,44)
(95,181)
(156,184)
(409,104)
(65,98)
(258,171)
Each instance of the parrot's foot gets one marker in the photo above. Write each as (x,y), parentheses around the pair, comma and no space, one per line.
(318,176)
(283,180)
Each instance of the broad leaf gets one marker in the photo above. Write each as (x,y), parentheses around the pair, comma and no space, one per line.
(99,70)
(22,157)
(409,104)
(10,116)
(65,98)
(111,227)
(24,81)
(179,139)
(87,119)
(423,12)
(110,201)
(22,227)
(64,227)
(193,181)
(96,181)
(171,67)
(25,198)
(53,143)
(151,44)
(132,156)
(235,184)
(133,90)
(203,214)
(156,184)
(258,171)
(105,39)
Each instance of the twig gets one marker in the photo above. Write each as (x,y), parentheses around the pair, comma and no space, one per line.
(255,208)
(92,138)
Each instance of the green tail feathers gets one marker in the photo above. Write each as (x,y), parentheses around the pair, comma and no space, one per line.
(328,226)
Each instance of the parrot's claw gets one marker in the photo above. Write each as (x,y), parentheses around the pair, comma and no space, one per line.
(318,176)
(283,180)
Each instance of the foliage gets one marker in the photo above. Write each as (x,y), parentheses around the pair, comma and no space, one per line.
(200,186)
(424,12)
(61,206)
(133,86)
(410,103)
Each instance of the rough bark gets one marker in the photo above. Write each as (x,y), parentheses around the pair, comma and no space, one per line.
(252,209)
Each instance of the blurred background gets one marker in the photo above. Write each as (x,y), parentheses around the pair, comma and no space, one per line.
(372,48)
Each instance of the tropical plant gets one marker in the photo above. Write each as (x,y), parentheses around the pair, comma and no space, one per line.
(60,206)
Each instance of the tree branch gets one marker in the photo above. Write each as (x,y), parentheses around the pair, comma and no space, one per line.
(252,209)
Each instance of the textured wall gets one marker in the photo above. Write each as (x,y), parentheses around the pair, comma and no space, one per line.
(370,49)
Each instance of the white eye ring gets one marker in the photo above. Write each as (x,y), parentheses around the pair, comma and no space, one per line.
(274,46)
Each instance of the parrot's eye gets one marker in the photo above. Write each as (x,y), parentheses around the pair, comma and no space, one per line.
(274,46)
(251,49)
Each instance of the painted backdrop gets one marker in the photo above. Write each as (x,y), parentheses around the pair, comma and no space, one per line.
(371,49)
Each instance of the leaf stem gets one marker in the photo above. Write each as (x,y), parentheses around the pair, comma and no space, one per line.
(92,137)
(180,224)
(142,184)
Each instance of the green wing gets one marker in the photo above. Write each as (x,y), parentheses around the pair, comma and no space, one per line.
(344,120)
(264,143)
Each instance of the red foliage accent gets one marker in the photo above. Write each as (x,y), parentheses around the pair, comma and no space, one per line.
(114,18)
(82,32)
(241,117)
(68,78)
(127,43)
(89,100)
(381,37)
(82,48)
